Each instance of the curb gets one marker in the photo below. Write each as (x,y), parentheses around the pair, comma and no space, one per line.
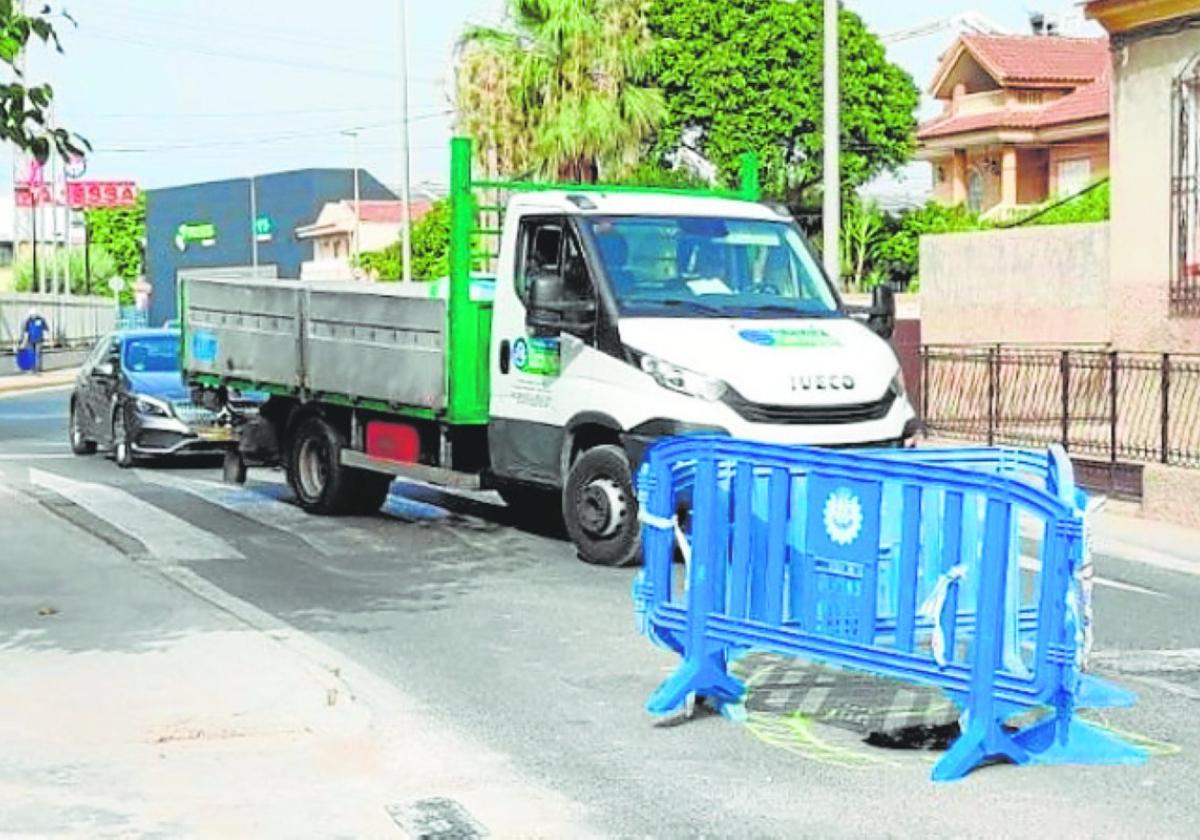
(24,383)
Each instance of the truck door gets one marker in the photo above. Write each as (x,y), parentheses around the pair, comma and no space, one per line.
(533,394)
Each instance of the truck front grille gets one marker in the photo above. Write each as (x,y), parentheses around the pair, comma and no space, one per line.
(809,415)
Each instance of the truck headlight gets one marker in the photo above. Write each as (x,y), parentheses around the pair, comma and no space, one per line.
(151,407)
(682,380)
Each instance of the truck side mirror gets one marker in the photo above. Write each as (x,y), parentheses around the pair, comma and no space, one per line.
(881,319)
(543,297)
(548,312)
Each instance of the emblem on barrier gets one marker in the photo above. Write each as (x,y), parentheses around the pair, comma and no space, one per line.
(843,516)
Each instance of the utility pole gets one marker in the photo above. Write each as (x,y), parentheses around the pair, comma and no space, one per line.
(254,225)
(832,213)
(405,191)
(357,198)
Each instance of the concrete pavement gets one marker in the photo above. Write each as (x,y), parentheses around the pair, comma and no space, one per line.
(18,383)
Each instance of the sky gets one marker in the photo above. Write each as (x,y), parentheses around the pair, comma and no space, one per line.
(173,91)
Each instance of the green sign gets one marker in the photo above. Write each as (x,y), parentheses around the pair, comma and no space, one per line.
(204,233)
(264,228)
(537,356)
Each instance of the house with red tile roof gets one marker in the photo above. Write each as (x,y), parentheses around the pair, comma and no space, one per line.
(376,225)
(1025,120)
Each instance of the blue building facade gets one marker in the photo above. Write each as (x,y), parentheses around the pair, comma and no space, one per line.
(210,225)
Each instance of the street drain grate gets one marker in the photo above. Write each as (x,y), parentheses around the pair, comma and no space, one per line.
(437,818)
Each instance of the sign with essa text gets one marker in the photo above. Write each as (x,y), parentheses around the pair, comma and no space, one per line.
(78,194)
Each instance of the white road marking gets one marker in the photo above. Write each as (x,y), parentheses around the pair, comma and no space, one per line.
(35,456)
(1030,564)
(165,536)
(323,535)
(1149,661)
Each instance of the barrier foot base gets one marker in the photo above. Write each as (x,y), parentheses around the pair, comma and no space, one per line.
(980,743)
(1085,743)
(704,678)
(1095,693)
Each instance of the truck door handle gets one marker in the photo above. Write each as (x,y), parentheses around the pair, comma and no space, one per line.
(505,355)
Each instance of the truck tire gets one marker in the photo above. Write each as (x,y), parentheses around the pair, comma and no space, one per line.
(315,472)
(600,508)
(370,490)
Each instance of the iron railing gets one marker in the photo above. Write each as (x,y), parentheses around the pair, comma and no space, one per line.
(1185,195)
(1120,407)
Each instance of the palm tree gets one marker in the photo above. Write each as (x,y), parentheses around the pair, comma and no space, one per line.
(559,92)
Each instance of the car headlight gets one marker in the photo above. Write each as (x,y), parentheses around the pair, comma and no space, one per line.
(151,407)
(898,387)
(682,380)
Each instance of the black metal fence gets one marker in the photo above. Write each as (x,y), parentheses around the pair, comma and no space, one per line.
(1099,404)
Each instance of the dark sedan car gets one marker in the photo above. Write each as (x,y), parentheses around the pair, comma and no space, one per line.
(130,398)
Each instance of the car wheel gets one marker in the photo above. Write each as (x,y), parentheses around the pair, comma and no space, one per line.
(315,472)
(80,445)
(122,448)
(600,508)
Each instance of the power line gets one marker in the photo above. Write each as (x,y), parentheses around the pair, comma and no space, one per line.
(259,59)
(275,33)
(285,137)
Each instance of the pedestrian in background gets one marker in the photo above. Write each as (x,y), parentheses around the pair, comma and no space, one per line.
(33,335)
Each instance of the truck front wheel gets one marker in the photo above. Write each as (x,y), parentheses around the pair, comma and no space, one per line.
(315,471)
(600,508)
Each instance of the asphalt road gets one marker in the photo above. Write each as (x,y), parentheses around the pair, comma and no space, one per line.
(511,640)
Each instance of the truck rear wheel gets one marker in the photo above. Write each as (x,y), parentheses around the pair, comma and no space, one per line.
(600,508)
(315,470)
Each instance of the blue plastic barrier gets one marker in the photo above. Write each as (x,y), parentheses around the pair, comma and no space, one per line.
(901,563)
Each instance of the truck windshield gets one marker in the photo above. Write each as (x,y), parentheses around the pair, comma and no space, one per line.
(151,355)
(673,266)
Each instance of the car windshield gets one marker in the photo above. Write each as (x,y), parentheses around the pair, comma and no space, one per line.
(157,354)
(675,266)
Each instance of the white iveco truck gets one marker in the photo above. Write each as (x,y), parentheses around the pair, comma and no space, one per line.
(610,316)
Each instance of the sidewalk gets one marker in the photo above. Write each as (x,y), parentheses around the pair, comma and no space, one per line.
(20,382)
(138,700)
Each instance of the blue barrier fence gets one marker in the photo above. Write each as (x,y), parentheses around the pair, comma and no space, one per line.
(956,569)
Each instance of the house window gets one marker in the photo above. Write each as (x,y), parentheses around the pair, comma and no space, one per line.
(975,191)
(1073,176)
(1185,194)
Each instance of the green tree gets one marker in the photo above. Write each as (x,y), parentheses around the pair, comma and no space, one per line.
(745,75)
(57,262)
(25,107)
(864,230)
(899,255)
(561,90)
(121,232)
(430,249)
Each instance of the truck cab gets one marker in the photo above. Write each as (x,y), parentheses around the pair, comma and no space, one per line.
(622,317)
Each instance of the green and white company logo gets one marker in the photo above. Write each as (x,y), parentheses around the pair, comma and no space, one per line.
(537,356)
(203,233)
(792,337)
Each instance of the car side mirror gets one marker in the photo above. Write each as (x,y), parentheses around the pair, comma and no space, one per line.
(881,318)
(104,370)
